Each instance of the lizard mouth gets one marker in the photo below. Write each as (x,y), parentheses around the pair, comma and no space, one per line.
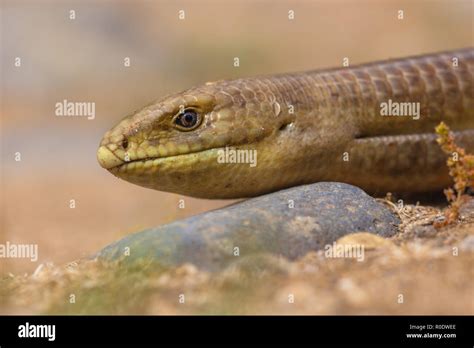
(154,163)
(110,161)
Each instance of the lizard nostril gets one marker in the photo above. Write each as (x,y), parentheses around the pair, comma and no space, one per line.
(285,126)
(125,143)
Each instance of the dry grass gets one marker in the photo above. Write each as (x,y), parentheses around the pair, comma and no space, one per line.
(461,170)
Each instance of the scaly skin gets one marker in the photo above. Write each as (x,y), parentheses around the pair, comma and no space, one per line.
(306,127)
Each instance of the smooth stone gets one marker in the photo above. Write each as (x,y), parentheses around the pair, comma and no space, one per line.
(322,213)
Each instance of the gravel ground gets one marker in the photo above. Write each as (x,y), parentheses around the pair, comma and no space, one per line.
(419,270)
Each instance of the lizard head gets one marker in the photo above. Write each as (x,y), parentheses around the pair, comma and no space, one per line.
(181,143)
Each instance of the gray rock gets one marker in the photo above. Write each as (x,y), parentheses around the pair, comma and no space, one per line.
(322,213)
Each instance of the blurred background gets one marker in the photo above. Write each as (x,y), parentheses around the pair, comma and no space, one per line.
(82,60)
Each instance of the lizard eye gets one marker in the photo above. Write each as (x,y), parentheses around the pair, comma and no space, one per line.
(187,120)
